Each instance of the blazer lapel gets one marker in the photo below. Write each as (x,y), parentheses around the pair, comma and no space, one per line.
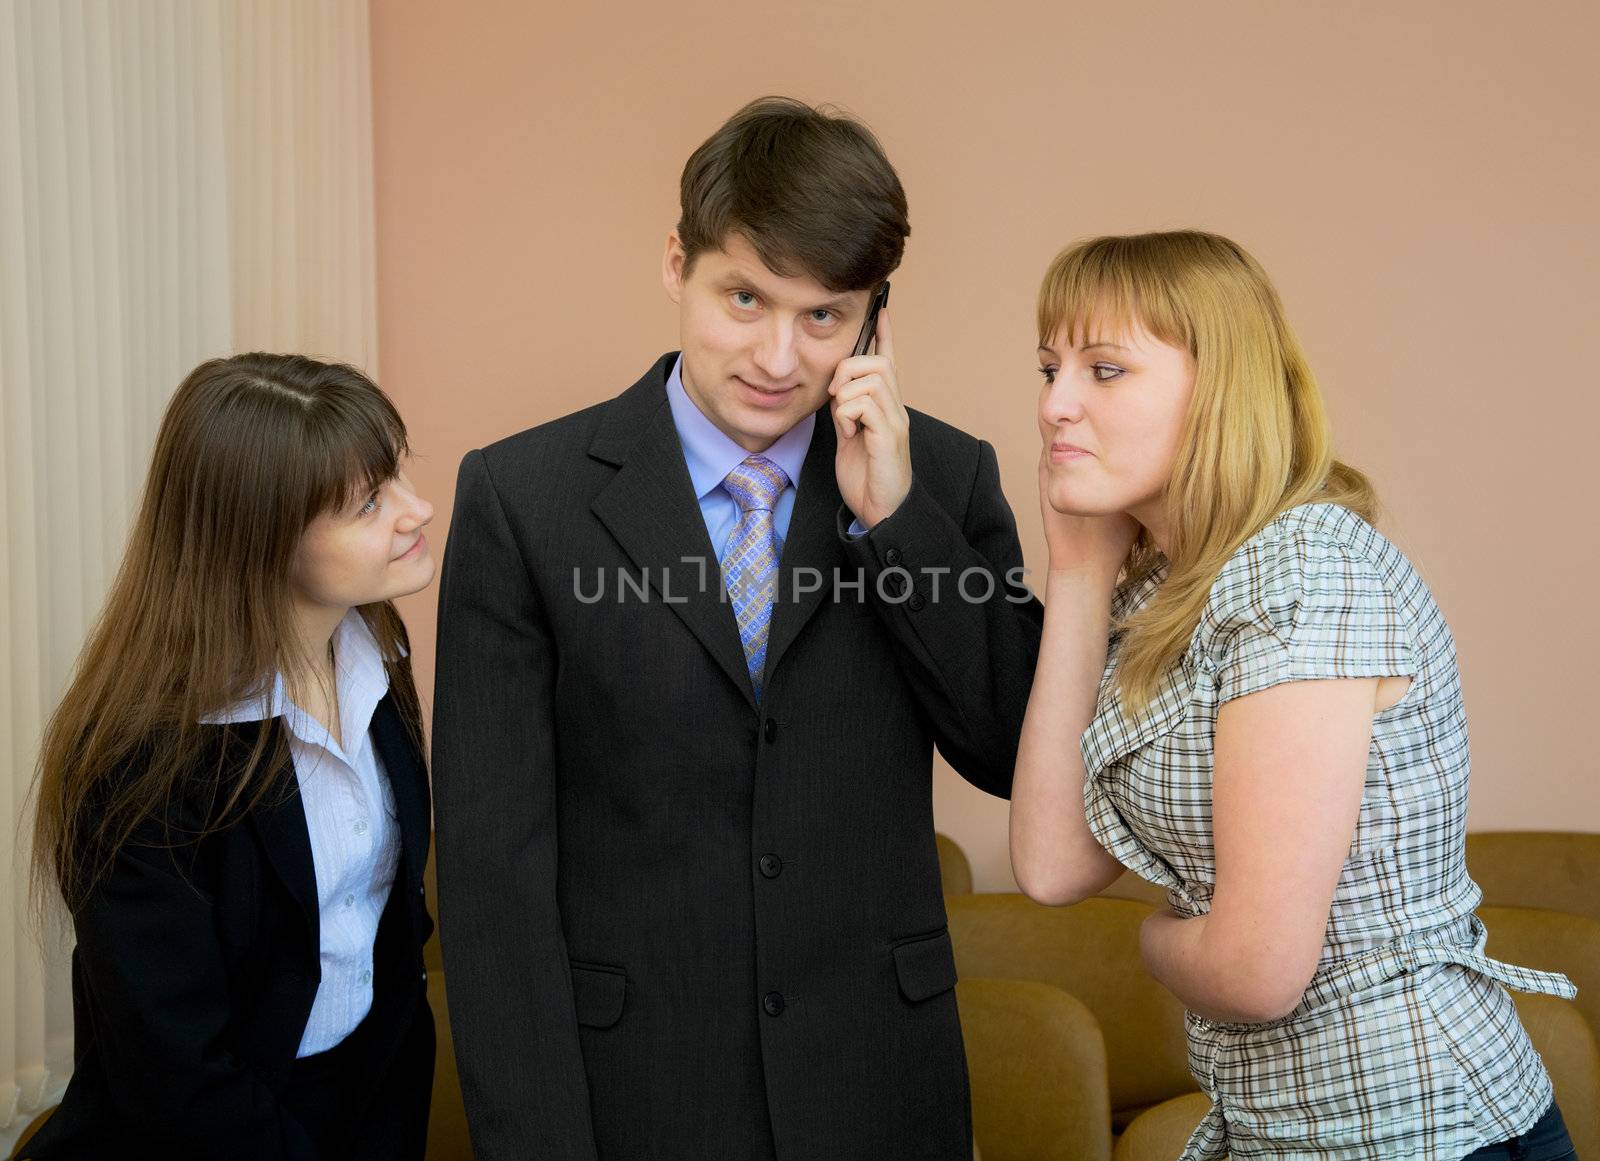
(650,508)
(281,824)
(812,553)
(407,778)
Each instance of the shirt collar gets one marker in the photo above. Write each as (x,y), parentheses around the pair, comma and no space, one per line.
(711,454)
(359,675)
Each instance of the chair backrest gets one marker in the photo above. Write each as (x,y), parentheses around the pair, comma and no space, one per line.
(1570,1051)
(1555,870)
(1038,1069)
(1130,886)
(955,872)
(1159,1134)
(1551,941)
(1090,951)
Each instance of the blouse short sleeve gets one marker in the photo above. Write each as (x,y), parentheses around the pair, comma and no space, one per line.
(1300,604)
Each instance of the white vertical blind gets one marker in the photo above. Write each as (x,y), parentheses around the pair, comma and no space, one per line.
(179,179)
(299,117)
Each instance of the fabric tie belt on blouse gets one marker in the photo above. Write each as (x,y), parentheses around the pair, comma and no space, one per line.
(1408,953)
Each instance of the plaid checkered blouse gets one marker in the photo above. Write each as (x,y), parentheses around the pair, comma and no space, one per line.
(1405,1045)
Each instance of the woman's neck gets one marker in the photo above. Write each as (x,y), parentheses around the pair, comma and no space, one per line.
(1152,518)
(312,684)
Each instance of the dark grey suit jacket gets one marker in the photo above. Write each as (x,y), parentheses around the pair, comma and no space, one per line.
(677,923)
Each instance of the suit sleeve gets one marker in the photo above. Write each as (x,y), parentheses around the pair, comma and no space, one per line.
(507,976)
(952,592)
(150,966)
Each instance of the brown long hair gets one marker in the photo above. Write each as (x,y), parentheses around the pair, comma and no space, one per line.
(251,449)
(1256,441)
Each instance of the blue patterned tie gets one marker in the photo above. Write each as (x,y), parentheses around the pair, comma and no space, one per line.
(750,565)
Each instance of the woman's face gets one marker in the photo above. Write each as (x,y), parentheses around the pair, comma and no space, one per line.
(1111,414)
(371,550)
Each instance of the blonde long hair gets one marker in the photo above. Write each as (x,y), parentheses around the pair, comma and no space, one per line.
(1256,441)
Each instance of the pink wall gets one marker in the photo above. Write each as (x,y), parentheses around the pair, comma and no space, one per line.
(1419,178)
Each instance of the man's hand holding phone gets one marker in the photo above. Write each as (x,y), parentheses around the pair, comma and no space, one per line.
(873,463)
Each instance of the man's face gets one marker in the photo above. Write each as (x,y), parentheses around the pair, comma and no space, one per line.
(759,349)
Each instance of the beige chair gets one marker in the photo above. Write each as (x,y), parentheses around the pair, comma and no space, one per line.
(1159,1134)
(1564,1031)
(1130,886)
(955,872)
(1552,941)
(1551,870)
(1090,951)
(1567,1044)
(1038,1070)
(1541,893)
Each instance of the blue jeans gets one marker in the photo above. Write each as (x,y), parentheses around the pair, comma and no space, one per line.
(1546,1141)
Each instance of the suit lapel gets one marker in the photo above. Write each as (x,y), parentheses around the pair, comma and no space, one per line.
(811,552)
(280,822)
(407,778)
(650,508)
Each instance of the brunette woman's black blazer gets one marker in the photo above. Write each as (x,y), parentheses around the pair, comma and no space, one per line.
(194,973)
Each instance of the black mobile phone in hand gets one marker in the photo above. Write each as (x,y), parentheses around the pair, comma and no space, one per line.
(869,329)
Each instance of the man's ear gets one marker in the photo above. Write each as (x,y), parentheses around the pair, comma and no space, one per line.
(672,267)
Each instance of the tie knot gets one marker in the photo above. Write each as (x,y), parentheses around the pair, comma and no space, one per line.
(755,484)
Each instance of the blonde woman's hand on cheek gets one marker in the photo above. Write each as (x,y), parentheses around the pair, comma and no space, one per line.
(1094,544)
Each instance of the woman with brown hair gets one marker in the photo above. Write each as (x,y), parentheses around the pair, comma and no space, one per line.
(1248,696)
(232,797)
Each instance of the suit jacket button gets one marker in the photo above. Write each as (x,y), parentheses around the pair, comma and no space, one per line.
(891,557)
(771,866)
(771,729)
(917,602)
(773,1003)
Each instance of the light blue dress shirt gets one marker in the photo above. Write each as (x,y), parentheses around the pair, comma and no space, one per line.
(711,455)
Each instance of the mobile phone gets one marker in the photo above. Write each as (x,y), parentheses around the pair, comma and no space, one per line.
(869,329)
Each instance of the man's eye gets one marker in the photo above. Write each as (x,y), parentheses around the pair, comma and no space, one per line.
(822,317)
(744,300)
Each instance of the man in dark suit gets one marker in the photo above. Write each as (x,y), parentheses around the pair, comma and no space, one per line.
(696,645)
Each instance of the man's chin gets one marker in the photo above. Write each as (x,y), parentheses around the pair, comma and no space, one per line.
(762,423)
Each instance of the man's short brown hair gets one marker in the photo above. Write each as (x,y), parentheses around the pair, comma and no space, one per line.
(813,192)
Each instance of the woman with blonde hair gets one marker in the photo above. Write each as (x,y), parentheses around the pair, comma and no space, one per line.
(232,798)
(1247,696)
